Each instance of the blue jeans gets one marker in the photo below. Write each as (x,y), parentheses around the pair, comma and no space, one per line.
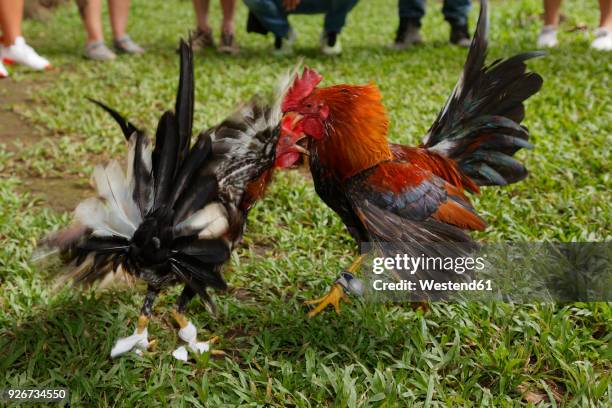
(455,11)
(273,16)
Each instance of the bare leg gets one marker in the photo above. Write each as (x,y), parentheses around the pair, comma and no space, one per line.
(179,312)
(603,35)
(119,11)
(229,11)
(11,14)
(147,306)
(548,34)
(551,12)
(201,11)
(188,332)
(605,17)
(91,14)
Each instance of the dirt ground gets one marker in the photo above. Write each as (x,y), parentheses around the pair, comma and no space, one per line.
(40,9)
(61,194)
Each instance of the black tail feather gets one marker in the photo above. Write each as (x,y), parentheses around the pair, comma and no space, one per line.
(173,138)
(192,163)
(142,174)
(480,125)
(209,251)
(198,273)
(201,190)
(185,101)
(164,158)
(127,127)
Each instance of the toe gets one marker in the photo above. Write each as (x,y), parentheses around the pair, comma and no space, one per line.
(315,301)
(152,345)
(199,347)
(322,305)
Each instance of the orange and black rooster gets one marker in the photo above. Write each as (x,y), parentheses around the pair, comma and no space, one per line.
(411,196)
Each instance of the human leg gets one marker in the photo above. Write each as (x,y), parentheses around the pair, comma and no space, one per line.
(408,31)
(548,34)
(119,11)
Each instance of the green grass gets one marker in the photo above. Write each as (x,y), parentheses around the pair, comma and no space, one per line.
(469,354)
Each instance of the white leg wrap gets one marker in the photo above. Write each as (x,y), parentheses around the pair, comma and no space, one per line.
(189,335)
(136,343)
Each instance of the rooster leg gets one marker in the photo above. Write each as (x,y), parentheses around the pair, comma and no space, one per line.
(187,331)
(138,341)
(346,283)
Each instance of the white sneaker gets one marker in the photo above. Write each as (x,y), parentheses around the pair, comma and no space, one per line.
(603,40)
(548,37)
(327,49)
(22,53)
(3,71)
(284,46)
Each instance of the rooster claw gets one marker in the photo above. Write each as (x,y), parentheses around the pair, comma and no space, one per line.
(333,297)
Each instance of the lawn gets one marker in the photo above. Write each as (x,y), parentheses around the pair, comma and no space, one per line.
(459,354)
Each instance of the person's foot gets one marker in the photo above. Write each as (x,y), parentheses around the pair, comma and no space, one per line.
(22,53)
(3,72)
(126,45)
(284,45)
(202,39)
(330,44)
(98,51)
(408,34)
(547,37)
(460,36)
(603,40)
(227,44)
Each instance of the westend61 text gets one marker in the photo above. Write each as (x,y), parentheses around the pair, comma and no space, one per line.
(432,285)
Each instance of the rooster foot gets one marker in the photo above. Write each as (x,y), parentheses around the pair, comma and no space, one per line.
(188,333)
(137,342)
(346,283)
(333,297)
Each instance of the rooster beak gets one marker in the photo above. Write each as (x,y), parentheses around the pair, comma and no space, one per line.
(292,134)
(296,118)
(301,150)
(288,151)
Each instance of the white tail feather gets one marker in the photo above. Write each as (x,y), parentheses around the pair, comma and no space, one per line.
(42,253)
(210,220)
(94,214)
(112,187)
(215,229)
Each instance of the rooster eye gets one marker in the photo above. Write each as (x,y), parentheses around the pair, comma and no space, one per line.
(309,105)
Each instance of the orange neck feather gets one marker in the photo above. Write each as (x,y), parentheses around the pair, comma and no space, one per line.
(356,129)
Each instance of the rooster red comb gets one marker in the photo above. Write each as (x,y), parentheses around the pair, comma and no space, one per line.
(301,88)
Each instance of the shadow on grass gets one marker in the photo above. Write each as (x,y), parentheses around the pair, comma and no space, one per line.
(74,334)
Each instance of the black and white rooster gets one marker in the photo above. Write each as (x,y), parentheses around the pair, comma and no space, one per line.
(177,213)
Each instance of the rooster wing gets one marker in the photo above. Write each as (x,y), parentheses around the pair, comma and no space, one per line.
(408,210)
